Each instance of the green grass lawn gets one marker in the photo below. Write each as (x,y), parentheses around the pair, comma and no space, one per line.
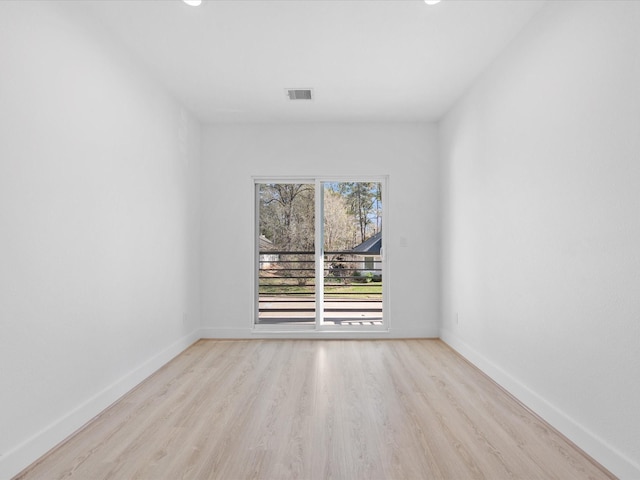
(368,290)
(363,290)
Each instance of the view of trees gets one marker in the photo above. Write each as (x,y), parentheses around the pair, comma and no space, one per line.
(363,201)
(352,214)
(287,215)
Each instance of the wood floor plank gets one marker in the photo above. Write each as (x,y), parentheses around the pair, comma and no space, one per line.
(317,409)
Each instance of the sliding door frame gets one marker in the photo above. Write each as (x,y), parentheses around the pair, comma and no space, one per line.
(319,326)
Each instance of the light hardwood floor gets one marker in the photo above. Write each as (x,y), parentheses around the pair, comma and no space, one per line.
(306,409)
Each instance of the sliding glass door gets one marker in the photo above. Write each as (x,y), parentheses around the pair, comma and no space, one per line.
(319,253)
(286,270)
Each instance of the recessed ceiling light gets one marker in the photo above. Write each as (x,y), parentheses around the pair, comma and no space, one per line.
(193,3)
(431,2)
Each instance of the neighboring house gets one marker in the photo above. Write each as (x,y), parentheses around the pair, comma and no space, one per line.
(266,259)
(367,254)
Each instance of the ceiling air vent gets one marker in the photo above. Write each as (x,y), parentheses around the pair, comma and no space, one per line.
(300,93)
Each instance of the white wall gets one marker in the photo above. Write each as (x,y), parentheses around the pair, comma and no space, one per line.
(99,227)
(405,152)
(541,241)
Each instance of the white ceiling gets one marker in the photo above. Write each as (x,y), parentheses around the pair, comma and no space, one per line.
(367,60)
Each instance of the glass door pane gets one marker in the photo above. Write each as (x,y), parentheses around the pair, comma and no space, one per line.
(352,253)
(286,253)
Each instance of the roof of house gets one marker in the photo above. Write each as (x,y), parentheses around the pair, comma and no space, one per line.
(371,246)
(265,243)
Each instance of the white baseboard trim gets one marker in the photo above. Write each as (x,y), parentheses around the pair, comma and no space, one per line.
(21,456)
(249,333)
(596,447)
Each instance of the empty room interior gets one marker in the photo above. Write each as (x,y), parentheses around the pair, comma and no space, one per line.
(320,239)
